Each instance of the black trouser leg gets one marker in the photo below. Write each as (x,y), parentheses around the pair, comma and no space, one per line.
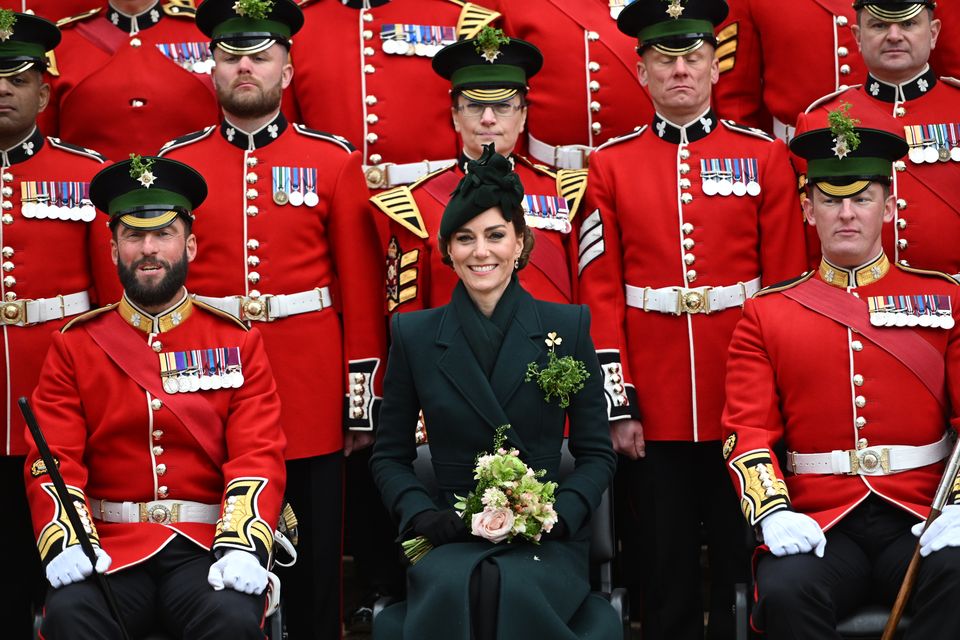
(20,551)
(188,607)
(311,587)
(682,489)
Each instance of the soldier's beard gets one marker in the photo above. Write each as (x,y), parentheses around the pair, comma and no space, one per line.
(247,105)
(153,295)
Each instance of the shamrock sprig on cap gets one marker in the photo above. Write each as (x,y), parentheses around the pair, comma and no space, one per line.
(843,128)
(253,9)
(488,43)
(7,19)
(562,377)
(140,170)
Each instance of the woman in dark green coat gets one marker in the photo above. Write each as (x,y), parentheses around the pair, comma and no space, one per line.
(464,365)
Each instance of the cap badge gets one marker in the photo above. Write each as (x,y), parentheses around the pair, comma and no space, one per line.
(842,126)
(253,9)
(140,170)
(7,19)
(488,43)
(675,9)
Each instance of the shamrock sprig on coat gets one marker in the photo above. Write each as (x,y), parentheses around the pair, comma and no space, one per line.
(562,377)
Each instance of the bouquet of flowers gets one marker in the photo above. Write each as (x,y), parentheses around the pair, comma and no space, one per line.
(510,501)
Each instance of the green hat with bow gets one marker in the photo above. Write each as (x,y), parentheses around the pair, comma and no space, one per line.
(489,182)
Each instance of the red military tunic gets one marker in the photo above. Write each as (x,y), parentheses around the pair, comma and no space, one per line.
(392,106)
(945,58)
(255,248)
(117,88)
(52,10)
(588,90)
(120,441)
(778,59)
(416,277)
(648,223)
(797,375)
(42,258)
(927,223)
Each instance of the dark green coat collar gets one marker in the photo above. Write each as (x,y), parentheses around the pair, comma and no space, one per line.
(523,342)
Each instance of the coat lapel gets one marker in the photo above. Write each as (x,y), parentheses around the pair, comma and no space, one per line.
(460,366)
(521,345)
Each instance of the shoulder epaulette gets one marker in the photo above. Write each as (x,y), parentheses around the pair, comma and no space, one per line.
(750,131)
(183,141)
(83,317)
(323,135)
(180,9)
(618,139)
(536,166)
(727,42)
(80,151)
(571,185)
(953,82)
(401,207)
(62,22)
(927,272)
(830,96)
(786,284)
(472,19)
(223,314)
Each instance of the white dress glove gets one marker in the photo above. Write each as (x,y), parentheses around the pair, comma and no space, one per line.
(239,570)
(943,532)
(788,533)
(72,565)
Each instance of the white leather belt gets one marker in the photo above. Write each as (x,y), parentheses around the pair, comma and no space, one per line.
(783,131)
(870,461)
(158,511)
(677,300)
(387,175)
(19,313)
(267,307)
(568,156)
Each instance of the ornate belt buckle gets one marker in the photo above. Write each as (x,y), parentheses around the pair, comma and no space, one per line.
(13,312)
(257,309)
(158,513)
(376,177)
(693,301)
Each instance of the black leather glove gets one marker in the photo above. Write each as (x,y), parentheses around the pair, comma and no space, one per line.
(558,532)
(440,527)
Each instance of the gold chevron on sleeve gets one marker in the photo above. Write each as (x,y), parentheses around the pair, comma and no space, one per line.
(398,203)
(58,534)
(571,185)
(727,43)
(761,491)
(473,18)
(241,526)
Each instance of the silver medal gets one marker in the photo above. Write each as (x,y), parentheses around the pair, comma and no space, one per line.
(753,188)
(311,199)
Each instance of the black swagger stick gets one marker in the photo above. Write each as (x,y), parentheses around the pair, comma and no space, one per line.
(67,500)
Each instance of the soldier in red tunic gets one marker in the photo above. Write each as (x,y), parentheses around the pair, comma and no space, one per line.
(363,71)
(902,94)
(588,90)
(683,220)
(762,43)
(45,216)
(854,367)
(130,75)
(163,418)
(294,251)
(489,104)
